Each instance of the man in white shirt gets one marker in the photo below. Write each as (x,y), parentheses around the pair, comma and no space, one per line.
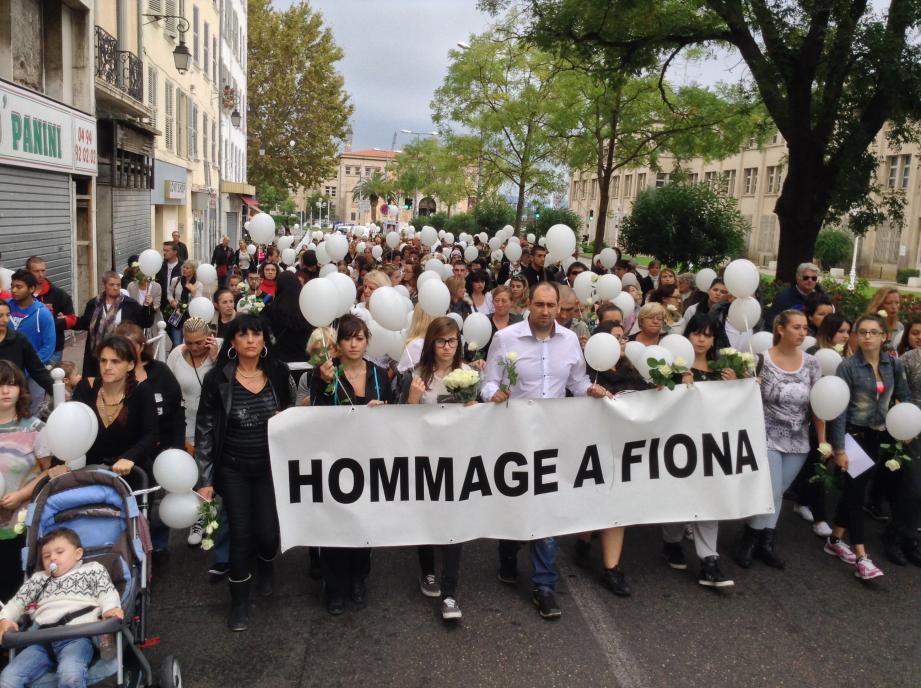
(548,361)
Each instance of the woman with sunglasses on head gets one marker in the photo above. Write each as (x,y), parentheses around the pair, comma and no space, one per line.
(888,300)
(875,380)
(442,354)
(348,380)
(246,388)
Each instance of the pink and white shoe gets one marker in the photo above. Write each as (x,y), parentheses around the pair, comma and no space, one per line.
(867,570)
(841,550)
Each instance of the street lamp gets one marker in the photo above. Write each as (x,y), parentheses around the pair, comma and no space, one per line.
(235,118)
(182,56)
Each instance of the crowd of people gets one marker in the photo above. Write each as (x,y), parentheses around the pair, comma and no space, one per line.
(224,379)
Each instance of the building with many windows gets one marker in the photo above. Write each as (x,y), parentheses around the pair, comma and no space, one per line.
(754,177)
(48,140)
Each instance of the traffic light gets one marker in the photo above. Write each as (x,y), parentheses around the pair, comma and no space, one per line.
(408,204)
(537,214)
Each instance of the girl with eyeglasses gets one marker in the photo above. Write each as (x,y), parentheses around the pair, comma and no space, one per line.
(874,381)
(442,353)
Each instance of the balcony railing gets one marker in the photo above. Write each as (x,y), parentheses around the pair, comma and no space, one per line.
(121,68)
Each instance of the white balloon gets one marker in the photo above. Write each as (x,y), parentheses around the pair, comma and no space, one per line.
(434,298)
(441,234)
(705,278)
(483,236)
(434,265)
(293,269)
(150,262)
(445,270)
(392,239)
(325,271)
(360,247)
(625,302)
(77,464)
(285,242)
(829,397)
(584,286)
(514,240)
(829,360)
(377,342)
(903,421)
(608,257)
(346,290)
(428,236)
(471,253)
(808,342)
(741,278)
(744,313)
(680,346)
(494,243)
(377,252)
(449,238)
(477,330)
(387,308)
(634,352)
(206,274)
(602,351)
(456,318)
(496,256)
(561,240)
(321,254)
(175,470)
(761,342)
(427,275)
(179,510)
(336,246)
(508,230)
(71,430)
(312,247)
(659,353)
(251,249)
(202,308)
(566,262)
(402,291)
(319,301)
(246,225)
(608,287)
(262,228)
(288,256)
(513,251)
(542,241)
(530,238)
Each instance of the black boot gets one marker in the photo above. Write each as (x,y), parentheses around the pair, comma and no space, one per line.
(745,549)
(765,550)
(266,576)
(239,604)
(316,570)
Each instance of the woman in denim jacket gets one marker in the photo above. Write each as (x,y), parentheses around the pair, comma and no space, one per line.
(874,379)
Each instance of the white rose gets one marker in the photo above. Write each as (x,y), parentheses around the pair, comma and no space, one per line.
(21,516)
(207,544)
(19,528)
(882,314)
(214,525)
(748,357)
(728,351)
(893,465)
(672,308)
(473,345)
(680,362)
(511,357)
(839,348)
(666,370)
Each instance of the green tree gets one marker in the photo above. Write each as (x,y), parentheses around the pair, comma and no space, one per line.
(271,198)
(831,74)
(833,248)
(684,224)
(555,216)
(295,94)
(492,214)
(462,222)
(429,167)
(504,90)
(374,188)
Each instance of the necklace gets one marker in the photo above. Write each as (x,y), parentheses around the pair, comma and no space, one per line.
(106,403)
(258,373)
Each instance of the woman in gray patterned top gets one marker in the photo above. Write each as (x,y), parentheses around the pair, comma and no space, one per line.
(787,377)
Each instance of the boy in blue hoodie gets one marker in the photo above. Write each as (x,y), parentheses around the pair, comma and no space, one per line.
(31,317)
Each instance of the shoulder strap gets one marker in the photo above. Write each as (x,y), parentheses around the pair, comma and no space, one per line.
(68,617)
(759,366)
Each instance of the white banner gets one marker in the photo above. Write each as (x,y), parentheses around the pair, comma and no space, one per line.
(403,475)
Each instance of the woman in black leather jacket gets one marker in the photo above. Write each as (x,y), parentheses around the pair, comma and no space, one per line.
(244,390)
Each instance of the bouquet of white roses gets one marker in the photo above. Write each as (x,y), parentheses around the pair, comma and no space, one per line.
(666,375)
(250,304)
(741,363)
(462,384)
(208,516)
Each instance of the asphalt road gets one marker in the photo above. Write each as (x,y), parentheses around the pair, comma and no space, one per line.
(813,624)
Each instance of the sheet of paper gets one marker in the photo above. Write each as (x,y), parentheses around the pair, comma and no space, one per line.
(858,461)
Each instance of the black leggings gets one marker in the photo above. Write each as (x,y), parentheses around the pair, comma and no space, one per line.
(251,515)
(451,555)
(342,566)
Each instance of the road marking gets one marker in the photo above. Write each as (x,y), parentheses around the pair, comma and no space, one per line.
(602,626)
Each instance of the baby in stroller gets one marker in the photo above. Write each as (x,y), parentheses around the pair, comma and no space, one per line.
(67,591)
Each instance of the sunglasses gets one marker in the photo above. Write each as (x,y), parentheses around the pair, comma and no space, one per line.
(809,278)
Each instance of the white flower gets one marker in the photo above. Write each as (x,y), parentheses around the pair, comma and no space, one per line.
(893,465)
(594,277)
(588,302)
(511,357)
(214,525)
(680,362)
(672,308)
(748,357)
(473,345)
(839,348)
(824,449)
(135,264)
(461,379)
(19,528)
(666,370)
(882,314)
(728,351)
(208,529)
(207,543)
(21,516)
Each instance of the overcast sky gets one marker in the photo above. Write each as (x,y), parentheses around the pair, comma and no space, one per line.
(396,55)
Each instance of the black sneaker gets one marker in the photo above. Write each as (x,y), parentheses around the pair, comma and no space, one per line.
(674,555)
(582,556)
(912,551)
(615,581)
(508,573)
(335,605)
(876,511)
(359,593)
(545,601)
(711,576)
(218,572)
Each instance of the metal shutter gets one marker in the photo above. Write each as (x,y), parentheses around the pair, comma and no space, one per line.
(130,223)
(36,219)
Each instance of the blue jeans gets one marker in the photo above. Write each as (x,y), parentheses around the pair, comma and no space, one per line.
(784,468)
(56,357)
(543,560)
(73,657)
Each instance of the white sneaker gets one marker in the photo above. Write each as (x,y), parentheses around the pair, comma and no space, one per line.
(821,528)
(195,533)
(449,609)
(804,512)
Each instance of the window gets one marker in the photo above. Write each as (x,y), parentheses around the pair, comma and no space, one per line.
(893,161)
(214,141)
(751,180)
(329,191)
(593,183)
(152,91)
(367,171)
(582,189)
(196,53)
(169,128)
(182,124)
(640,182)
(728,182)
(710,179)
(767,233)
(662,179)
(170,8)
(204,138)
(348,170)
(693,178)
(206,49)
(774,175)
(615,187)
(906,169)
(214,58)
(628,185)
(193,130)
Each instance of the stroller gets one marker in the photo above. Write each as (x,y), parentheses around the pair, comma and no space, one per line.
(101,508)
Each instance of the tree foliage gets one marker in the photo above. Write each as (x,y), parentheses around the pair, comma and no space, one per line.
(830,73)
(684,224)
(374,188)
(295,94)
(555,216)
(493,213)
(833,248)
(431,168)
